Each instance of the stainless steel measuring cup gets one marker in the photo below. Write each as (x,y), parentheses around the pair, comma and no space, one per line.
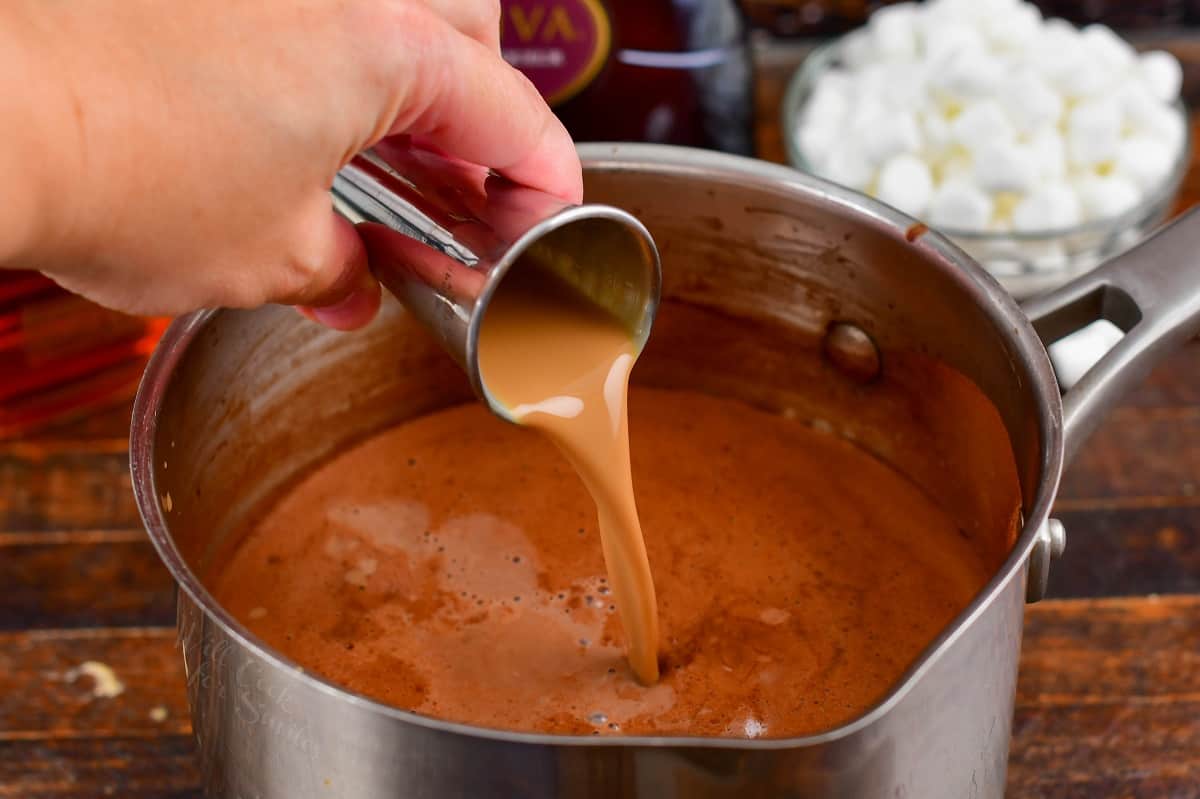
(477,226)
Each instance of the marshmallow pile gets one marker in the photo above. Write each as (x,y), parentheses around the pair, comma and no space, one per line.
(980,116)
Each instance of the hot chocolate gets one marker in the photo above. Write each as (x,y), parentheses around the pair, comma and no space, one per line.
(450,566)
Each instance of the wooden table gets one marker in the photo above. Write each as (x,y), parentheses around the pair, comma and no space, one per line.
(1108,703)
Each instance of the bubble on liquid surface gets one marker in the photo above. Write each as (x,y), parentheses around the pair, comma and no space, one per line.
(597,718)
(754,728)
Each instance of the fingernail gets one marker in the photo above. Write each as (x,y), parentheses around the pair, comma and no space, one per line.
(356,310)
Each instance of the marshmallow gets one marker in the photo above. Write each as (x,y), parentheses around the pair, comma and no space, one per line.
(983,121)
(855,49)
(906,183)
(1145,161)
(817,141)
(1108,48)
(1139,109)
(1047,256)
(967,73)
(940,39)
(935,130)
(873,81)
(1049,154)
(983,116)
(1161,74)
(1015,29)
(1168,126)
(1057,55)
(959,205)
(905,86)
(1105,197)
(893,32)
(830,100)
(1093,131)
(956,165)
(1029,101)
(1004,166)
(846,166)
(1052,206)
(899,135)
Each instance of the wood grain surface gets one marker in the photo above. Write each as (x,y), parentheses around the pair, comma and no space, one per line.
(1108,703)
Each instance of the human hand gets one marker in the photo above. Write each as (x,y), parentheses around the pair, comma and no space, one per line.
(179,156)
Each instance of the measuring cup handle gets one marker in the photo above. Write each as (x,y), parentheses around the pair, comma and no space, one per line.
(1152,293)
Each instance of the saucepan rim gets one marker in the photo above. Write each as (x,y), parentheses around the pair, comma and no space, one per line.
(1002,309)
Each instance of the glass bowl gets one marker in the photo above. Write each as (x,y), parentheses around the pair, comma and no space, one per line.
(1025,263)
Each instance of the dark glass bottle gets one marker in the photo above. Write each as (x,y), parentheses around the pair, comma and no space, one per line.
(669,71)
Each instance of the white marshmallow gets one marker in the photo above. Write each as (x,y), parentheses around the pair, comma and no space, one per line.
(1088,79)
(958,165)
(900,134)
(872,81)
(1093,131)
(1105,197)
(956,8)
(908,86)
(941,38)
(1049,153)
(1004,166)
(1047,256)
(1014,30)
(966,74)
(959,205)
(1051,206)
(1165,124)
(935,131)
(1139,109)
(893,32)
(1030,101)
(1145,161)
(848,167)
(906,183)
(979,12)
(856,49)
(1057,54)
(1161,74)
(817,140)
(1109,48)
(867,111)
(979,122)
(830,100)
(974,113)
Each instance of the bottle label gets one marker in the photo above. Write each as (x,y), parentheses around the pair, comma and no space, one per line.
(560,45)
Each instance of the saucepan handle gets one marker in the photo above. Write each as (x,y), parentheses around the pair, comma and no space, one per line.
(1151,292)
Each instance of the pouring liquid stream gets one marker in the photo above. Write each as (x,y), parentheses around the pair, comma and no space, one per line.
(560,364)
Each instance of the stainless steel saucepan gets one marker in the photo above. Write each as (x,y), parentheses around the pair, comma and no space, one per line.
(775,285)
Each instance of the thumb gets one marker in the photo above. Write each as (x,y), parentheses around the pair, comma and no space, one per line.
(336,288)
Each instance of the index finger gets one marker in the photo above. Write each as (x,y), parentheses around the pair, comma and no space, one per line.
(470,103)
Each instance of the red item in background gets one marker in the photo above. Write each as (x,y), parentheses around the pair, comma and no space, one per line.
(62,356)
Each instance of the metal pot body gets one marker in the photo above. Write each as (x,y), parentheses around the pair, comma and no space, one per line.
(757,259)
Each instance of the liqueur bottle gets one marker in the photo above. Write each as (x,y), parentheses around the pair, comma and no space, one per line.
(667,71)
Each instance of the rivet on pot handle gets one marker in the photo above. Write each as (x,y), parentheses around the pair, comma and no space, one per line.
(1047,547)
(1152,293)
